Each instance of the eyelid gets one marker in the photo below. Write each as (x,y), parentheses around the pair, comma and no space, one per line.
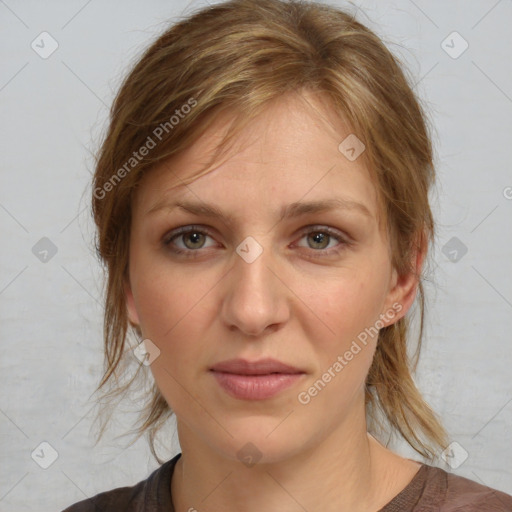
(343,238)
(336,233)
(168,237)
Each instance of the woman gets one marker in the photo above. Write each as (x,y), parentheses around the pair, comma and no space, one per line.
(261,199)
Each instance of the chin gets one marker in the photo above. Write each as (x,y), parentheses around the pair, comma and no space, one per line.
(259,442)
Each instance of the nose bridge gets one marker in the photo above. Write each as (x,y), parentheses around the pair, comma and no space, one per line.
(255,298)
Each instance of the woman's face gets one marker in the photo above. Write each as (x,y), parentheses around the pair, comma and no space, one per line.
(267,278)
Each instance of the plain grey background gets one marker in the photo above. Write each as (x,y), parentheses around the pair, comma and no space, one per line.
(53,112)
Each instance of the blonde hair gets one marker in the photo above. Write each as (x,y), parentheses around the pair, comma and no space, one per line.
(236,57)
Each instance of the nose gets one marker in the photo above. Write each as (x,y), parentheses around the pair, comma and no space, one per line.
(255,296)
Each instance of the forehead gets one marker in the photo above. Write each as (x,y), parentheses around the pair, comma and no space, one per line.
(289,152)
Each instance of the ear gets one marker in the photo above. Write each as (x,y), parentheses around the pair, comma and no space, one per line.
(404,287)
(133,316)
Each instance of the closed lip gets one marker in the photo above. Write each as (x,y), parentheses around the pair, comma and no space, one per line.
(261,367)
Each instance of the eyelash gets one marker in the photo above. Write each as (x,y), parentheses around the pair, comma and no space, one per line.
(168,239)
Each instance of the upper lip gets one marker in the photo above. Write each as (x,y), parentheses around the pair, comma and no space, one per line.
(261,367)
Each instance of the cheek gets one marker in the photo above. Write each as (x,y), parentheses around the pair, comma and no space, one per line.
(168,294)
(174,316)
(344,304)
(175,310)
(344,342)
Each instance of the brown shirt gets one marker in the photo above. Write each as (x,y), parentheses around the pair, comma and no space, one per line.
(431,490)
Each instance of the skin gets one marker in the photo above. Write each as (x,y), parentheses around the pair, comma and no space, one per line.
(295,303)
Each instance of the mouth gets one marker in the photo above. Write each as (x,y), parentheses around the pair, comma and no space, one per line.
(262,367)
(258,380)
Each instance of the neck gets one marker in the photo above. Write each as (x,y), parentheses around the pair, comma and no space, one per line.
(348,470)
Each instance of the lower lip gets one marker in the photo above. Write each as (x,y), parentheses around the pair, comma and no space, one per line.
(255,387)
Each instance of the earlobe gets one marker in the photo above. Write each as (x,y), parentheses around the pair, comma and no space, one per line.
(133,316)
(402,296)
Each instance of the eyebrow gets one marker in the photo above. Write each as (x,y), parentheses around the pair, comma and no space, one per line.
(288,211)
